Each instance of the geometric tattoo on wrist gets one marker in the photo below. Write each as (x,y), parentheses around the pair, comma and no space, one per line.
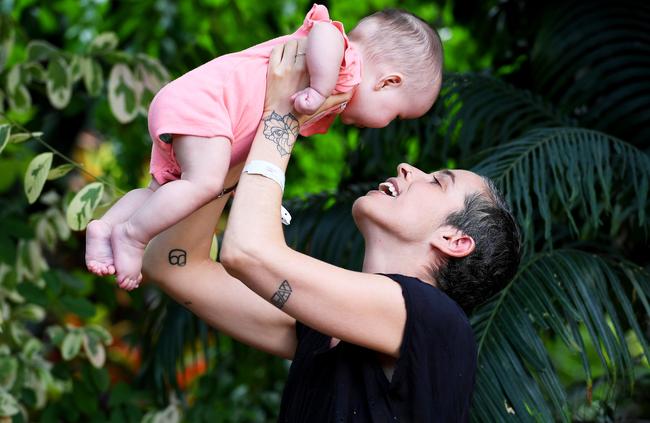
(281,131)
(281,295)
(177,257)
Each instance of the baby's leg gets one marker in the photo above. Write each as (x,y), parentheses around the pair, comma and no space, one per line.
(204,163)
(99,254)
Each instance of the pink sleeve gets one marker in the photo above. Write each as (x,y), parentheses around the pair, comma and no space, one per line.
(350,71)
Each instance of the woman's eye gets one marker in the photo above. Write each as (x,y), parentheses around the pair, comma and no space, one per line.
(436,181)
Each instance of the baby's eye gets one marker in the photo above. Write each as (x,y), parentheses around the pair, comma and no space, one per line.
(435,181)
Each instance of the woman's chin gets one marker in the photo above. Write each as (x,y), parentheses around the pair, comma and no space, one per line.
(366,206)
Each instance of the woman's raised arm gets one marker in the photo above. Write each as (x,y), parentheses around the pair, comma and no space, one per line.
(178,261)
(360,308)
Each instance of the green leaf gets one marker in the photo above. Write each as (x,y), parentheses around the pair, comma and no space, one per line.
(14,79)
(151,73)
(5,133)
(56,334)
(214,248)
(79,306)
(30,312)
(32,293)
(75,67)
(59,82)
(94,350)
(101,379)
(36,176)
(8,404)
(58,220)
(123,93)
(34,72)
(24,136)
(20,99)
(7,36)
(38,50)
(31,349)
(18,333)
(71,345)
(59,171)
(120,394)
(100,332)
(8,371)
(83,205)
(93,76)
(46,233)
(103,42)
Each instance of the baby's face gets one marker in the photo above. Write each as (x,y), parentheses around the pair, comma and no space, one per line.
(376,108)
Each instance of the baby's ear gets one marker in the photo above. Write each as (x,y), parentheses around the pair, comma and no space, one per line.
(391,80)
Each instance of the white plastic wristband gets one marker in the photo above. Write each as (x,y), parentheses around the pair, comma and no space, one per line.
(271,171)
(267,169)
(285,216)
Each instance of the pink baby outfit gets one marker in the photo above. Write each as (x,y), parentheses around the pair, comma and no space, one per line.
(225,97)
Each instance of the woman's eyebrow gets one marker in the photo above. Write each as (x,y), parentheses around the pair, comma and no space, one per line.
(450,174)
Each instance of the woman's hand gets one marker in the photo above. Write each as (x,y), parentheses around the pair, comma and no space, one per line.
(287,75)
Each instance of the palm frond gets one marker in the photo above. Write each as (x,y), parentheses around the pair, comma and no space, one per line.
(555,293)
(592,59)
(573,171)
(474,111)
(323,227)
(169,330)
(483,111)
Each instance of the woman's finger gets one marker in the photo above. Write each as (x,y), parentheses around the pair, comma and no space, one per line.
(301,52)
(289,54)
(276,56)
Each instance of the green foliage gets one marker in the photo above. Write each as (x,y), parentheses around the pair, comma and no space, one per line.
(52,354)
(557,117)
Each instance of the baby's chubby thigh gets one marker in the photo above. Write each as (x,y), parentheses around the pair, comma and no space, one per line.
(204,162)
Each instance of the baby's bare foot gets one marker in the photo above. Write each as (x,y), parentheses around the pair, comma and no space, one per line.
(99,253)
(127,253)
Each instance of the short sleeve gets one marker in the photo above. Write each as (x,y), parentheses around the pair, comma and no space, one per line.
(437,361)
(350,71)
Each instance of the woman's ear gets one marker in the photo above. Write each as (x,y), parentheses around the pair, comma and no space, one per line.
(453,242)
(391,80)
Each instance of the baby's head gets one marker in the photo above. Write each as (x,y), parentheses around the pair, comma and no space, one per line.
(402,69)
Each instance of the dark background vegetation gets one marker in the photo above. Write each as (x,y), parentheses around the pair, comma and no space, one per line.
(551,99)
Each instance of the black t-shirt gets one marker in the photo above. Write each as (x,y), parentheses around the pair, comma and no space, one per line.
(433,378)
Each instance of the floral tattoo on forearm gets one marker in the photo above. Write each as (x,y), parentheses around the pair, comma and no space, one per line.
(281,131)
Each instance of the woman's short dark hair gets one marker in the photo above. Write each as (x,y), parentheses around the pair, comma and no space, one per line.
(473,279)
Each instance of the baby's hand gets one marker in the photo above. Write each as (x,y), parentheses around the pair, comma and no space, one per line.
(307,101)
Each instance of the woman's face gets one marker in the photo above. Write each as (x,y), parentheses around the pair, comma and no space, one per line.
(413,204)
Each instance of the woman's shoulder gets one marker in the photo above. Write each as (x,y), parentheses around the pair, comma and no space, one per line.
(429,302)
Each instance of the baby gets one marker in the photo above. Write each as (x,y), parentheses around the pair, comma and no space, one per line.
(203,123)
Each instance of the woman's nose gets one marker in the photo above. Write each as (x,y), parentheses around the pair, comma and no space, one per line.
(404,170)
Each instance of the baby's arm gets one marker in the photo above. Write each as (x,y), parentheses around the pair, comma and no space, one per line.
(325,47)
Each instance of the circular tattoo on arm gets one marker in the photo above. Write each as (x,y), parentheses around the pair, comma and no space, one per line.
(177,257)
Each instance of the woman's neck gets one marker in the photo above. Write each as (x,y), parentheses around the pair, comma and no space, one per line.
(380,257)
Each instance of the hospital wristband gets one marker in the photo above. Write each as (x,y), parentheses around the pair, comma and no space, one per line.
(271,171)
(267,169)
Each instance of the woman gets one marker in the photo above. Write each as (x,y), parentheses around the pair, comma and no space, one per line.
(385,344)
